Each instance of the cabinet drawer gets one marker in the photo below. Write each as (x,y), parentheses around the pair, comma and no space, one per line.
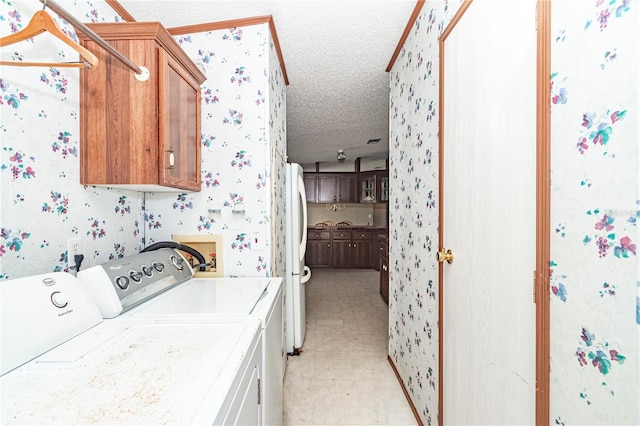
(362,235)
(341,235)
(313,234)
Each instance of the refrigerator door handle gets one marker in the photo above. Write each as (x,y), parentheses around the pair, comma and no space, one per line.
(303,202)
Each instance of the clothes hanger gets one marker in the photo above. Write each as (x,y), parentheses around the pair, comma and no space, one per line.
(41,22)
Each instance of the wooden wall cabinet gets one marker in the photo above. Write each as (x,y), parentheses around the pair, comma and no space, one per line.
(310,187)
(368,187)
(382,182)
(336,187)
(140,135)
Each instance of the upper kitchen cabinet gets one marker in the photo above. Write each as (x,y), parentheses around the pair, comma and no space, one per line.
(140,135)
(337,187)
(310,186)
(382,194)
(367,187)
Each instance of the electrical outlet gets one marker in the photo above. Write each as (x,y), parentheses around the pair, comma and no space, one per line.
(74,246)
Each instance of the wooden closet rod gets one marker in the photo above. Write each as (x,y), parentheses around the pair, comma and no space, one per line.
(92,35)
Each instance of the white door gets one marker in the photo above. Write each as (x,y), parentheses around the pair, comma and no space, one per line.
(488,219)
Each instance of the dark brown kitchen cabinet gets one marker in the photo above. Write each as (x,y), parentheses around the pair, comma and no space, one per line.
(362,244)
(378,246)
(342,248)
(327,188)
(347,188)
(352,248)
(140,135)
(318,248)
(383,248)
(382,186)
(310,187)
(367,187)
(336,187)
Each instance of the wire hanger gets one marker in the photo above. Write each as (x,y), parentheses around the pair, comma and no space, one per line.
(41,22)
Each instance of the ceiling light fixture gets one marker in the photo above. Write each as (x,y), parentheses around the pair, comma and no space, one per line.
(341,156)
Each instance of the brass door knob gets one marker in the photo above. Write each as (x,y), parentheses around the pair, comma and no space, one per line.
(448,256)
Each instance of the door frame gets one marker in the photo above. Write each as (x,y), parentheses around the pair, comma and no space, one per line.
(543,207)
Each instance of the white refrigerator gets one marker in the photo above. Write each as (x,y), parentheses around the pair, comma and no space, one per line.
(297,274)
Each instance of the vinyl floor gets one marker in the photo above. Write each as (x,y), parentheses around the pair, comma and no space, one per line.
(342,376)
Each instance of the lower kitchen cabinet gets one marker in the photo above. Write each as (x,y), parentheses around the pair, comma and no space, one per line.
(383,248)
(318,248)
(362,253)
(340,248)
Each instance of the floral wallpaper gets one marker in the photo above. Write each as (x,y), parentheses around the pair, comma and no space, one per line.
(278,136)
(42,201)
(413,212)
(595,206)
(243,152)
(243,127)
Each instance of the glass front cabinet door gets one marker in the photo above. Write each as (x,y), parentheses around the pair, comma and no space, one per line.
(368,188)
(384,189)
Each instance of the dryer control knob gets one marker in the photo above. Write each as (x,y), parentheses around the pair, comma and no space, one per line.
(59,300)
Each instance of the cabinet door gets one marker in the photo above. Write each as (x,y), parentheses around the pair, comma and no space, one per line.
(361,254)
(368,187)
(341,254)
(318,254)
(384,278)
(347,188)
(310,188)
(179,125)
(382,195)
(327,188)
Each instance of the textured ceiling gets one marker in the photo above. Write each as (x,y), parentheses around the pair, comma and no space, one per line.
(335,54)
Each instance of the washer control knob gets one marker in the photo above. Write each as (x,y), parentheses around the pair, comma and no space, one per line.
(177,262)
(59,300)
(147,270)
(136,276)
(122,282)
(158,266)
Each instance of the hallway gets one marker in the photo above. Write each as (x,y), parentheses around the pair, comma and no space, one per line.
(342,376)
